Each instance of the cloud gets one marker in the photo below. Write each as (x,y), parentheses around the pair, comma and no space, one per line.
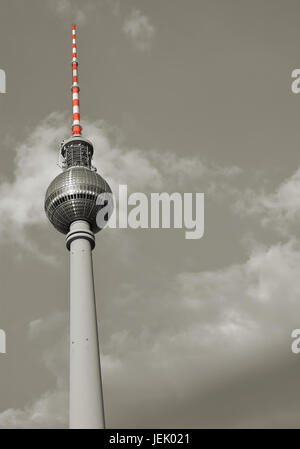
(35,165)
(48,412)
(179,346)
(239,304)
(204,330)
(50,409)
(139,29)
(278,210)
(65,9)
(22,197)
(41,326)
(149,170)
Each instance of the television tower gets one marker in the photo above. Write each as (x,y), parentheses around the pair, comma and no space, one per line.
(71,206)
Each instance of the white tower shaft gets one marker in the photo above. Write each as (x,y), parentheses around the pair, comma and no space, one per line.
(86,397)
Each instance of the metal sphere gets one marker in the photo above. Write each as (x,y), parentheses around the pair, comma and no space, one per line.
(72,196)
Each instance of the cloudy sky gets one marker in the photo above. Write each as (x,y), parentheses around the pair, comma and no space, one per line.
(186,96)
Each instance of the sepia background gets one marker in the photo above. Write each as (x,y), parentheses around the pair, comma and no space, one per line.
(187,96)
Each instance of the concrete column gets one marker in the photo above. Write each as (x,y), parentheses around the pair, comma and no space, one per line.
(86,397)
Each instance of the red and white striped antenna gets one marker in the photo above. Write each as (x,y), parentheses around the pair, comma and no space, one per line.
(76,127)
(76,151)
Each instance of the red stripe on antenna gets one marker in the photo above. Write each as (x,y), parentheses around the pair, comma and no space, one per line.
(75,89)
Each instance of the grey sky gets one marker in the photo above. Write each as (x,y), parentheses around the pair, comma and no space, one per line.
(188,96)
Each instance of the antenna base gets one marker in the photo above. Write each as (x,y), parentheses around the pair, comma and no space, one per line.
(77,152)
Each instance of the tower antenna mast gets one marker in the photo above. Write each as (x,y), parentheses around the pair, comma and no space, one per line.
(76,127)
